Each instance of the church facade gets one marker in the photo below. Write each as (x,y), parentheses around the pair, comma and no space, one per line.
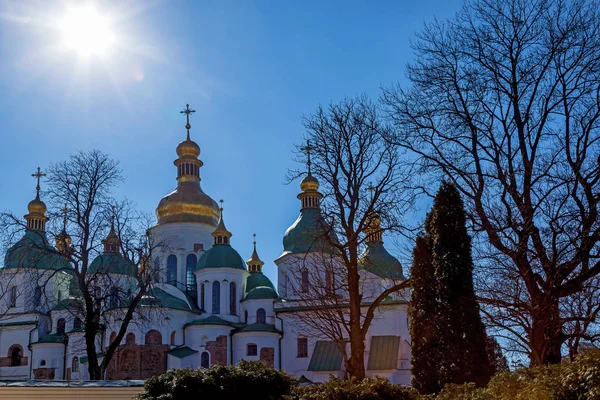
(208,305)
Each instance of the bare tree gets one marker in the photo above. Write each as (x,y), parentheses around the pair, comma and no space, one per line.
(365,187)
(94,224)
(505,101)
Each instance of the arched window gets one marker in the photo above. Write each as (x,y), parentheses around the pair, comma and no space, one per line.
(232,299)
(216,297)
(202,296)
(173,334)
(75,364)
(172,269)
(304,281)
(130,338)
(251,349)
(204,360)
(37,297)
(153,337)
(302,347)
(261,316)
(60,326)
(77,323)
(13,296)
(190,266)
(246,316)
(15,353)
(42,363)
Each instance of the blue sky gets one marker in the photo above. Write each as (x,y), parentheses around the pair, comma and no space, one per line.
(250,69)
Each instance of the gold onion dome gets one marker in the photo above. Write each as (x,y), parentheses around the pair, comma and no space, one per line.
(188,203)
(309,183)
(37,206)
(188,148)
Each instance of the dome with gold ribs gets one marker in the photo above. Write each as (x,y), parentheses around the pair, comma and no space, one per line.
(309,183)
(188,148)
(37,206)
(188,202)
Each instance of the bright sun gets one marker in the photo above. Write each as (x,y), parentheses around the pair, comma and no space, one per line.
(86,31)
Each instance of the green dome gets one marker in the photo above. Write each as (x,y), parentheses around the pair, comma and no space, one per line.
(221,256)
(34,251)
(306,233)
(376,259)
(112,263)
(257,279)
(261,293)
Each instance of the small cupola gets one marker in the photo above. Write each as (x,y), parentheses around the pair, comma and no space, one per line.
(63,239)
(36,218)
(112,243)
(221,235)
(255,263)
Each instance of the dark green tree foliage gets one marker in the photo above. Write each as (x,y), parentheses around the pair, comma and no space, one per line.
(354,389)
(248,380)
(448,323)
(498,362)
(422,312)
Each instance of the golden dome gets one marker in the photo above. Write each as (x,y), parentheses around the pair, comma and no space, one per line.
(309,183)
(188,203)
(188,148)
(36,206)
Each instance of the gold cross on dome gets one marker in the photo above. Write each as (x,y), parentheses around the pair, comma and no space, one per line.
(187,113)
(307,149)
(65,210)
(38,175)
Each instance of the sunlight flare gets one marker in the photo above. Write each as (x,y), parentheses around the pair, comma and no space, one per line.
(86,31)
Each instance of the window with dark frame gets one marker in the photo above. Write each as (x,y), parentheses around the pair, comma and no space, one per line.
(251,350)
(302,347)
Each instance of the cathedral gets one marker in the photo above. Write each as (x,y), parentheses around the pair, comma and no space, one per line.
(207,306)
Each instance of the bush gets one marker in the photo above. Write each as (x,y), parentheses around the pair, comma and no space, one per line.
(353,389)
(223,382)
(578,380)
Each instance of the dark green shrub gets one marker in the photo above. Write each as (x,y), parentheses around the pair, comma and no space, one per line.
(222,382)
(353,389)
(578,380)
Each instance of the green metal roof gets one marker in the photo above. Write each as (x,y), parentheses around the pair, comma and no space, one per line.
(212,320)
(160,298)
(181,352)
(54,338)
(376,259)
(221,256)
(84,359)
(383,353)
(21,323)
(306,234)
(258,327)
(112,263)
(326,357)
(257,279)
(68,304)
(261,293)
(34,251)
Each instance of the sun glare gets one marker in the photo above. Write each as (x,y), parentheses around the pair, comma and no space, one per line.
(86,31)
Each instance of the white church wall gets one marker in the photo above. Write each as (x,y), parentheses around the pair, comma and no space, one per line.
(241,341)
(224,276)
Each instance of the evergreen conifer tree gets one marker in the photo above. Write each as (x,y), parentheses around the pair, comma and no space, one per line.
(422,312)
(457,351)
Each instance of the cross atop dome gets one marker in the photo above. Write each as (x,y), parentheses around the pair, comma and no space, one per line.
(187,113)
(38,175)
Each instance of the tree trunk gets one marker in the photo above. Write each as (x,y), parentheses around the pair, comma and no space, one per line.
(546,333)
(356,362)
